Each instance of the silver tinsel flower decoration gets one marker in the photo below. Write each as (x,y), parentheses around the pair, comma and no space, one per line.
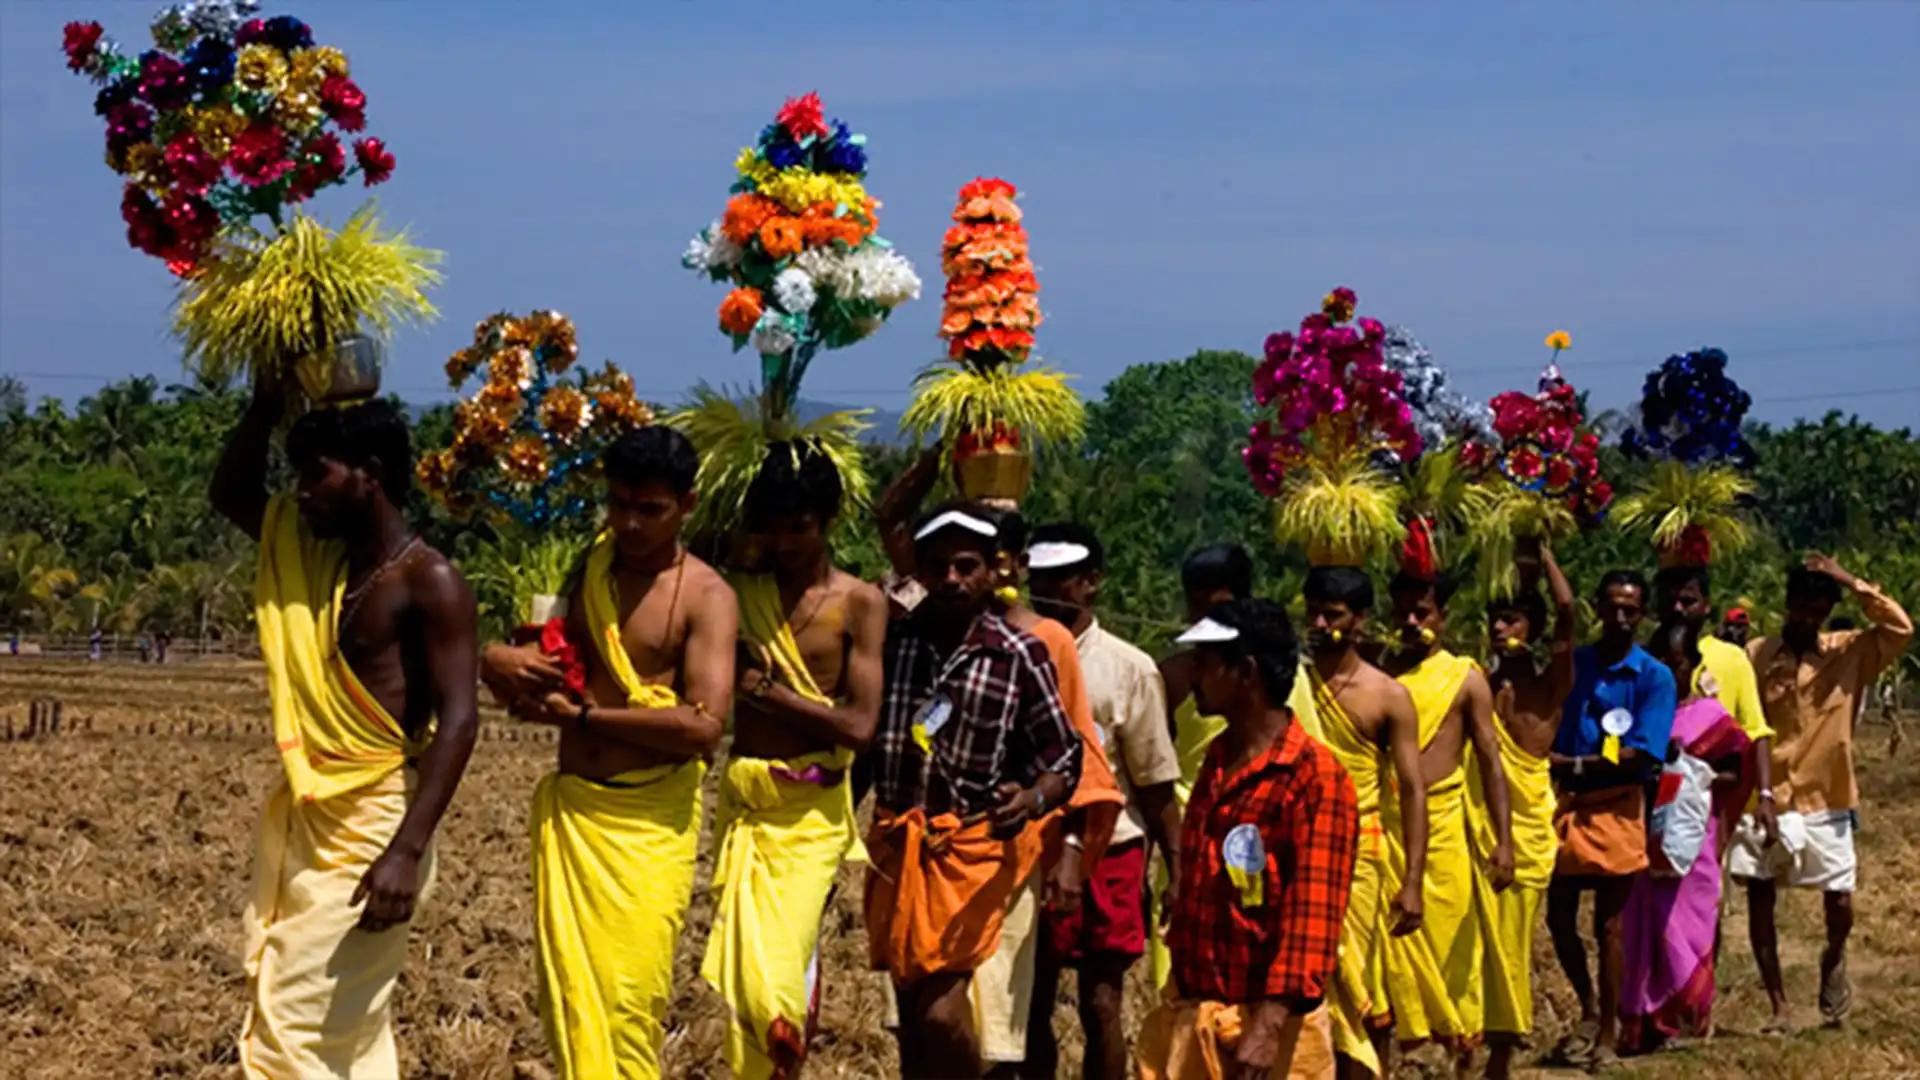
(1439,414)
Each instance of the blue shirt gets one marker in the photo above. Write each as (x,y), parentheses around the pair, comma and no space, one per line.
(1639,684)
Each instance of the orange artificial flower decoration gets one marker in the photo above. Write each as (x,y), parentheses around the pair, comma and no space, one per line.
(741,310)
(992,299)
(745,214)
(781,237)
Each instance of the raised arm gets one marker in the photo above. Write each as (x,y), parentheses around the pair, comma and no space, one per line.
(239,486)
(1493,776)
(446,622)
(850,724)
(1566,626)
(1403,744)
(894,511)
(692,727)
(1881,643)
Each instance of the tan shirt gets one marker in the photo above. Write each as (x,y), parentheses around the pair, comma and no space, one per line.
(1130,708)
(1812,701)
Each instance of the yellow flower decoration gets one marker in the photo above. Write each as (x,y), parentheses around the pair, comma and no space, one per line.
(799,188)
(525,461)
(215,127)
(1559,339)
(261,69)
(564,413)
(318,64)
(143,163)
(298,111)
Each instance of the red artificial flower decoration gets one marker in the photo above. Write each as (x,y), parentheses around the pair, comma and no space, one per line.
(344,102)
(803,116)
(259,155)
(554,642)
(322,161)
(80,39)
(375,162)
(1417,559)
(192,168)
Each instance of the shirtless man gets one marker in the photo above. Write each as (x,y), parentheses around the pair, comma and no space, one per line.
(807,700)
(1367,719)
(1455,706)
(1527,697)
(360,623)
(615,829)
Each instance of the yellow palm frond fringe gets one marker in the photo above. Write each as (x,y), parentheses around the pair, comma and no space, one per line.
(266,303)
(733,442)
(1034,400)
(1676,498)
(1498,516)
(1344,512)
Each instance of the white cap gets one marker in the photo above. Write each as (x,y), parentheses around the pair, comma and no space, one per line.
(957,519)
(1208,632)
(1056,555)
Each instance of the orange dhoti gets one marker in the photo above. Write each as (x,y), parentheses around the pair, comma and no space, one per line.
(938,890)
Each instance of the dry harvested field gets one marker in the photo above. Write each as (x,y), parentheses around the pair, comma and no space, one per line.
(124,849)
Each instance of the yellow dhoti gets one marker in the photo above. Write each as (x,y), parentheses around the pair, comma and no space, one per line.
(613,869)
(318,987)
(1508,918)
(1434,974)
(784,828)
(613,864)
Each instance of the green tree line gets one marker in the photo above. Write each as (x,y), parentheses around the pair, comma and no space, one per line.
(104,519)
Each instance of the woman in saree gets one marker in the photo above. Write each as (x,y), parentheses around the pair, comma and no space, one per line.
(1668,926)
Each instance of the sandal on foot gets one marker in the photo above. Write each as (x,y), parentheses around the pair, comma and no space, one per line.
(1576,1047)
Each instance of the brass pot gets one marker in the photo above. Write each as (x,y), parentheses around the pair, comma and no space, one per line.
(348,370)
(999,474)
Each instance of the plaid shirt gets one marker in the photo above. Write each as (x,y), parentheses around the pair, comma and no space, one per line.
(1301,801)
(1006,724)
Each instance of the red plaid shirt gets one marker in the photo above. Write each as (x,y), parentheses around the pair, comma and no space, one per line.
(1301,801)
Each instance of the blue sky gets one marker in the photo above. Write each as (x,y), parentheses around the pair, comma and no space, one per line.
(1650,177)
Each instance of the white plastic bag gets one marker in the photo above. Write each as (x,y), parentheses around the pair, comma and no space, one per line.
(1681,810)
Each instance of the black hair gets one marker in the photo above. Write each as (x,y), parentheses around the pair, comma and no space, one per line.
(358,436)
(655,453)
(1072,532)
(1443,586)
(1527,602)
(1842,622)
(1266,635)
(1218,566)
(797,477)
(1340,585)
(988,546)
(1612,578)
(1671,579)
(1675,634)
(1807,584)
(1013,530)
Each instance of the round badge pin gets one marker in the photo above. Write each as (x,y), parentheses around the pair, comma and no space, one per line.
(1616,722)
(1243,849)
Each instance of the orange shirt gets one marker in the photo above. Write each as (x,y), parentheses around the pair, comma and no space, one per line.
(1098,792)
(1812,700)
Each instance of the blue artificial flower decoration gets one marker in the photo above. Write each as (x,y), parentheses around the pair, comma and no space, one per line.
(841,152)
(286,33)
(210,64)
(1691,411)
(785,154)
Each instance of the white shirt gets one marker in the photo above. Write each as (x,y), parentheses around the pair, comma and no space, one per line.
(1129,702)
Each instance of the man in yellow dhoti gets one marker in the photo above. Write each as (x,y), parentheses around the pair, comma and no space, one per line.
(1434,976)
(615,828)
(807,698)
(1367,721)
(368,637)
(1527,699)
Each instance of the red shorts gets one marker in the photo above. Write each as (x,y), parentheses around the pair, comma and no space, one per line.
(1112,919)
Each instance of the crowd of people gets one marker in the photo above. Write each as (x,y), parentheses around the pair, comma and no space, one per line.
(1357,827)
